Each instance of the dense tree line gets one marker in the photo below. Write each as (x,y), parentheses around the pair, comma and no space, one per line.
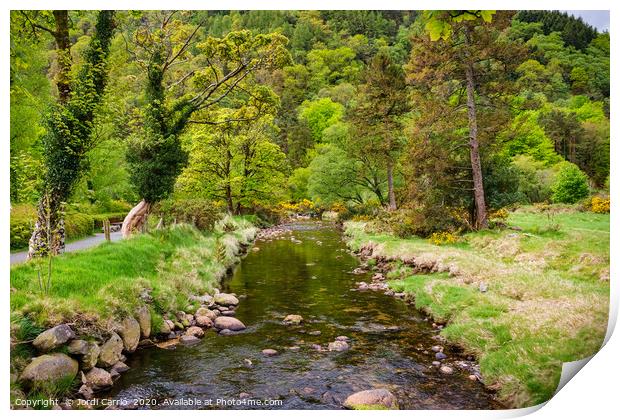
(442,115)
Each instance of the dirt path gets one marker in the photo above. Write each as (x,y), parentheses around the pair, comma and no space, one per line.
(88,242)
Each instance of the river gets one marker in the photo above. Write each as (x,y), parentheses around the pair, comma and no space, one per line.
(305,272)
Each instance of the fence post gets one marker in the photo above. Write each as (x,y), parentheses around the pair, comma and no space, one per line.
(106,229)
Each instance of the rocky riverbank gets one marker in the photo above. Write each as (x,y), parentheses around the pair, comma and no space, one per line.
(73,362)
(381,266)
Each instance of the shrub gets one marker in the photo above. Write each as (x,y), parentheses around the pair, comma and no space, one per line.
(599,205)
(443,238)
(112,217)
(534,179)
(571,184)
(78,225)
(201,213)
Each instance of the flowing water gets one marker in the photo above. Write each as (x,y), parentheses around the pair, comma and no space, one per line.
(311,278)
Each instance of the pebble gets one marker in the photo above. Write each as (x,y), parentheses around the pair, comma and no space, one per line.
(226,332)
(440,356)
(446,370)
(437,349)
(317,332)
(269,352)
(342,338)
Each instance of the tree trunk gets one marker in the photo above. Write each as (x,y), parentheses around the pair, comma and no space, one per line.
(63,54)
(474,154)
(48,235)
(390,181)
(229,200)
(135,219)
(49,230)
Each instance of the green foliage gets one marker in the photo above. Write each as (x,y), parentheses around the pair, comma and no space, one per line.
(571,184)
(320,114)
(535,180)
(198,212)
(69,125)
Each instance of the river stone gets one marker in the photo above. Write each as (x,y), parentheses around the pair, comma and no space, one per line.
(225,299)
(89,359)
(228,323)
(130,333)
(226,331)
(110,351)
(98,379)
(372,397)
(49,368)
(54,337)
(120,367)
(195,331)
(440,356)
(77,347)
(437,349)
(205,312)
(229,313)
(342,338)
(269,352)
(144,319)
(86,392)
(293,319)
(446,370)
(338,346)
(204,321)
(188,339)
(178,325)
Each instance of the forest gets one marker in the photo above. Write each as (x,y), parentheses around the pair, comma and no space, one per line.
(415,129)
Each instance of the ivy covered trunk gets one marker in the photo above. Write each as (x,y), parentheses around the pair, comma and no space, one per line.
(68,127)
(48,235)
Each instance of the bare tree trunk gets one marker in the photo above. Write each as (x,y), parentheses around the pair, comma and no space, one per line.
(474,154)
(135,219)
(390,181)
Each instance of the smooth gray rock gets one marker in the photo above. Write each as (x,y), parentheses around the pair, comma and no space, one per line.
(49,368)
(54,337)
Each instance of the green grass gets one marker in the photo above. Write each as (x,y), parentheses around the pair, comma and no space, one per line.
(105,281)
(547,299)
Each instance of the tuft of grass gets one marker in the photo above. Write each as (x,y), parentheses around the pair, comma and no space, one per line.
(546,299)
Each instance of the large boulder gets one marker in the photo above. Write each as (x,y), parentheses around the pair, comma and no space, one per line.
(90,357)
(49,368)
(144,319)
(228,323)
(225,299)
(372,399)
(54,337)
(293,319)
(206,312)
(97,379)
(130,333)
(110,351)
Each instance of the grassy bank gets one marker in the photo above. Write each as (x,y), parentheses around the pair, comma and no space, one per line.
(546,299)
(91,286)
